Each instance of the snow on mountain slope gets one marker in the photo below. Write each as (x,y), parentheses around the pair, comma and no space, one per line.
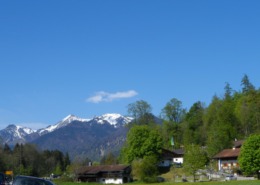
(113,119)
(64,122)
(14,133)
(18,134)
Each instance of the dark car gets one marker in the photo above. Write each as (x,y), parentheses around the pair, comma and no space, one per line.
(4,179)
(29,180)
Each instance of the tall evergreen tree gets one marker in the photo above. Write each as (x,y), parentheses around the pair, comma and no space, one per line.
(194,131)
(247,86)
(222,128)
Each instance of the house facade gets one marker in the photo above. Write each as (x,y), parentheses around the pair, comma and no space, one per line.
(105,174)
(168,158)
(228,158)
(178,159)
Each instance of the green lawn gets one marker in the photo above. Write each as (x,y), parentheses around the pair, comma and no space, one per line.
(252,182)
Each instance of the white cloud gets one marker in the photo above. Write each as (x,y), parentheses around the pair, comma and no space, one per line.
(102,96)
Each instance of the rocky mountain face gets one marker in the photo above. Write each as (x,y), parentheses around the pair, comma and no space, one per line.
(13,134)
(90,138)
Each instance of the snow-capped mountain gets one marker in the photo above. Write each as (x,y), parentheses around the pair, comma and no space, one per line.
(13,134)
(108,126)
(113,119)
(91,138)
(64,122)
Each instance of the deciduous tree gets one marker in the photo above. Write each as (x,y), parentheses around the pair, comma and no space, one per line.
(141,141)
(140,111)
(145,169)
(194,159)
(173,111)
(249,158)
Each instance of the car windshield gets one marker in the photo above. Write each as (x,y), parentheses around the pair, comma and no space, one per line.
(31,181)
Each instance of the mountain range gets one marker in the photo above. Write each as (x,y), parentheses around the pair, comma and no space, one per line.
(92,138)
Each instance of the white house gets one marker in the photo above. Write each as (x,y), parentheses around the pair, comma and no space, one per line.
(169,158)
(105,174)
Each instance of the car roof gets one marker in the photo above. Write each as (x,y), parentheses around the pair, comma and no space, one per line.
(32,178)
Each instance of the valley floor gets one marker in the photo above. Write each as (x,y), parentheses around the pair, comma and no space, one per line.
(251,182)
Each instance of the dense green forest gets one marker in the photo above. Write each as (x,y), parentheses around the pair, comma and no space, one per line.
(234,115)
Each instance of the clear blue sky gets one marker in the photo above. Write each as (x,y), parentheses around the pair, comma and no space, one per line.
(88,58)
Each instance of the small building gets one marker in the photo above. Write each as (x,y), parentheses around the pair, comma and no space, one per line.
(228,158)
(105,174)
(168,158)
(178,159)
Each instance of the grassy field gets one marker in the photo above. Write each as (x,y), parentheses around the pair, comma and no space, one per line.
(252,182)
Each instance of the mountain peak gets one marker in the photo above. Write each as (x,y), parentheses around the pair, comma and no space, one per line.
(15,134)
(113,119)
(64,122)
(69,117)
(72,117)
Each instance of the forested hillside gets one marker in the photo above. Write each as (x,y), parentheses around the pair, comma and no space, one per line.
(202,130)
(234,115)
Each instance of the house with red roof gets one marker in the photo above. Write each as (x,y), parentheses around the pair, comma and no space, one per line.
(228,158)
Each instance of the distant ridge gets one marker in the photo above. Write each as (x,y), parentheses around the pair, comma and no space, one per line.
(91,138)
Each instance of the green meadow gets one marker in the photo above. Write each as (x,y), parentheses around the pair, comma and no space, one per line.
(251,182)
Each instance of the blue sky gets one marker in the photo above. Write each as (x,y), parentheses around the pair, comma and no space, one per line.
(88,58)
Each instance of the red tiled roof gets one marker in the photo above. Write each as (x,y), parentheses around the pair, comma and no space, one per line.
(227,153)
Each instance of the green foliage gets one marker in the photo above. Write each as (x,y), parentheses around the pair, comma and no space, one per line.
(109,159)
(173,111)
(26,159)
(249,159)
(251,182)
(248,112)
(141,141)
(193,130)
(247,87)
(57,170)
(145,169)
(171,129)
(194,159)
(221,124)
(140,111)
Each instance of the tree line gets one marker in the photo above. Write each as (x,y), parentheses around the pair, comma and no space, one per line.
(26,159)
